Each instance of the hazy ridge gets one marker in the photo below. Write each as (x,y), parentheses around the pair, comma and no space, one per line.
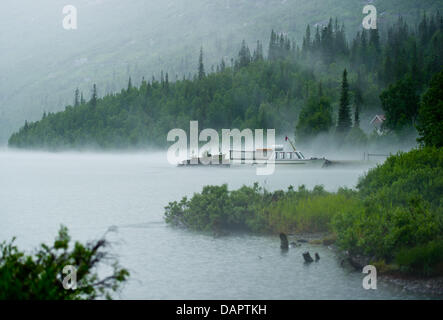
(42,64)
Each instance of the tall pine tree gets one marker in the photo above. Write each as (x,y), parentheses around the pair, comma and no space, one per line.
(244,56)
(76,97)
(129,84)
(357,116)
(258,52)
(344,115)
(201,67)
(94,96)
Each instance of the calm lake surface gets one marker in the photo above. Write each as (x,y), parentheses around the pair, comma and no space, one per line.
(91,192)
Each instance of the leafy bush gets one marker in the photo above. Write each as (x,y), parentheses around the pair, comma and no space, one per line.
(418,173)
(257,210)
(39,276)
(380,232)
(216,208)
(425,259)
(402,210)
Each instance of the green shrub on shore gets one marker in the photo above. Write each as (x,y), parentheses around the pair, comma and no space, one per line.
(380,232)
(402,212)
(426,259)
(257,210)
(216,208)
(417,173)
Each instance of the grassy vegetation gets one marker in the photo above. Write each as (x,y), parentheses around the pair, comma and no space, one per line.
(395,216)
(257,210)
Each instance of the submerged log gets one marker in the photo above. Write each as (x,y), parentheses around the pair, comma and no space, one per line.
(294,244)
(307,257)
(284,245)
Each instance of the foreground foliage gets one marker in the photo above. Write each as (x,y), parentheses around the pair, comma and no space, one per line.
(39,276)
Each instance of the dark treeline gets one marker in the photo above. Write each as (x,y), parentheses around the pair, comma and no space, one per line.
(292,89)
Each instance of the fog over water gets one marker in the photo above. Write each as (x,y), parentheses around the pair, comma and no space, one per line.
(91,192)
(143,67)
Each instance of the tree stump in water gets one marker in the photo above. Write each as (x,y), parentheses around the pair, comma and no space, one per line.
(307,257)
(284,245)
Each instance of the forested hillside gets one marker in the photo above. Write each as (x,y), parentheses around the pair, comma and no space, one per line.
(42,63)
(323,85)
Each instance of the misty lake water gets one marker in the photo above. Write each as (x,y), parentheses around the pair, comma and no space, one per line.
(91,192)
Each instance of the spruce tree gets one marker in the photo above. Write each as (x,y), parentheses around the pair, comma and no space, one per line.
(308,37)
(94,96)
(272,46)
(357,116)
(129,84)
(258,52)
(201,67)
(304,50)
(244,56)
(222,65)
(76,97)
(415,69)
(363,46)
(388,72)
(317,40)
(358,100)
(423,30)
(374,40)
(167,82)
(344,116)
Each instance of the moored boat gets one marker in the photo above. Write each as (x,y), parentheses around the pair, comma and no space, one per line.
(277,155)
(206,160)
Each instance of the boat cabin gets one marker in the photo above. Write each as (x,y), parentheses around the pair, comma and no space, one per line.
(277,153)
(296,155)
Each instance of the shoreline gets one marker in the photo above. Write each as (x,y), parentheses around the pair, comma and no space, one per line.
(429,286)
(432,286)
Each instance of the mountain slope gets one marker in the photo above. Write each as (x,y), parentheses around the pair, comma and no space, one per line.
(42,64)
(263,92)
